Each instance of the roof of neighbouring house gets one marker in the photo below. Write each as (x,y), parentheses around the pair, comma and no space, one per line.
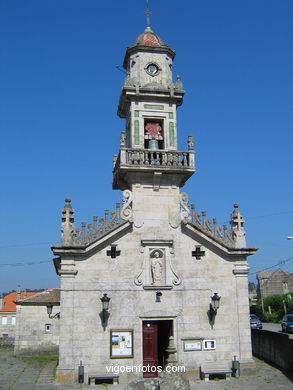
(269,274)
(51,295)
(9,299)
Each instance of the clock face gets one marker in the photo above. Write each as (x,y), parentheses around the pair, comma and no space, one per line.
(152,69)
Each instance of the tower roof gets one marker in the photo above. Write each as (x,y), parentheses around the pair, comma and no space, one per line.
(149,38)
(150,42)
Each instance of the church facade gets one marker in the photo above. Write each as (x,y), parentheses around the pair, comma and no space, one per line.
(153,267)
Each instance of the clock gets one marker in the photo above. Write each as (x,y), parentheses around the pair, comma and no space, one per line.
(152,69)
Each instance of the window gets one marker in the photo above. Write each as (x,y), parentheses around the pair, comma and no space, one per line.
(4,320)
(4,334)
(13,320)
(48,328)
(153,134)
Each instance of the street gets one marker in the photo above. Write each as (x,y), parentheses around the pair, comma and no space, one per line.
(37,373)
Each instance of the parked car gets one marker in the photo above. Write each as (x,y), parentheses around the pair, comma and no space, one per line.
(287,323)
(255,322)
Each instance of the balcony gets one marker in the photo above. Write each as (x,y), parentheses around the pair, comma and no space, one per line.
(146,160)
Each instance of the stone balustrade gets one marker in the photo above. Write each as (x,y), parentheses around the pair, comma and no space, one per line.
(156,158)
(220,233)
(89,233)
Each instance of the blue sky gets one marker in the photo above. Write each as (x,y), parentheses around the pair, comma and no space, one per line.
(59,89)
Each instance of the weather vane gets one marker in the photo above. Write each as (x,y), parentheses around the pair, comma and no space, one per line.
(148,13)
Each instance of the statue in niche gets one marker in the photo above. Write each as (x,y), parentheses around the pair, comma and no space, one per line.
(157,268)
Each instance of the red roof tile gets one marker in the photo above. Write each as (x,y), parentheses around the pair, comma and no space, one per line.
(9,299)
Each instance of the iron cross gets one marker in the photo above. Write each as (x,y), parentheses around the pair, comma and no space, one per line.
(113,252)
(148,13)
(197,253)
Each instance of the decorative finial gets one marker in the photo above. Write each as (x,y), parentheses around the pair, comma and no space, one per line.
(237,224)
(148,13)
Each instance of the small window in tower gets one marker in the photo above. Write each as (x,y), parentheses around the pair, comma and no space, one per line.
(152,69)
(153,134)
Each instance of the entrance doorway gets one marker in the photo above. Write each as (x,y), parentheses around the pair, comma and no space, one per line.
(155,342)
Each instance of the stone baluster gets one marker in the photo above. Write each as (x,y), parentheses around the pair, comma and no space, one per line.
(106,219)
(225,231)
(95,220)
(117,212)
(141,158)
(82,234)
(185,159)
(203,218)
(152,158)
(146,158)
(129,156)
(215,227)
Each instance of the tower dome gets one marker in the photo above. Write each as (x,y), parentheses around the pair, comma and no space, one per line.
(149,38)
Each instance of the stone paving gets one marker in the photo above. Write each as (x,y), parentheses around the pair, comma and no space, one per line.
(38,374)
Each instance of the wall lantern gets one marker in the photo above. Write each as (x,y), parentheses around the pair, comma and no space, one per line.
(215,304)
(49,311)
(105,313)
(158,296)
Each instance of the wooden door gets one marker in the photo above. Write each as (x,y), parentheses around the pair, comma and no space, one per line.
(150,348)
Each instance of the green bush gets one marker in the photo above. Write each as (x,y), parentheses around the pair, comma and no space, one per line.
(277,307)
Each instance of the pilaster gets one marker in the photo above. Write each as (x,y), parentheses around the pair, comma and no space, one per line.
(247,365)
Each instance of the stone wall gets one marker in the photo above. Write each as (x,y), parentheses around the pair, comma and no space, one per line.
(188,286)
(274,347)
(36,333)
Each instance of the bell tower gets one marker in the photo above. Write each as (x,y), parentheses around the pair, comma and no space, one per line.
(148,102)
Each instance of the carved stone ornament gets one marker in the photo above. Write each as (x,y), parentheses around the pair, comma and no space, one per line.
(126,212)
(174,219)
(185,211)
(138,223)
(122,138)
(138,280)
(190,142)
(157,268)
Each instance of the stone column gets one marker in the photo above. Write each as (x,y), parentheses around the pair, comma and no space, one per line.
(247,364)
(66,369)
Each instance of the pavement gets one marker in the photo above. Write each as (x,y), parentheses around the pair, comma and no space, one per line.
(33,373)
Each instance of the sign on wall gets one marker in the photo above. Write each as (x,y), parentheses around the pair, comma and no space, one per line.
(192,345)
(209,344)
(121,343)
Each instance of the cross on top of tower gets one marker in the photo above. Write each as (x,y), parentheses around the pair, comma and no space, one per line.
(148,13)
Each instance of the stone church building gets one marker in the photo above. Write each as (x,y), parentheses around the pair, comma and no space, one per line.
(154,267)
